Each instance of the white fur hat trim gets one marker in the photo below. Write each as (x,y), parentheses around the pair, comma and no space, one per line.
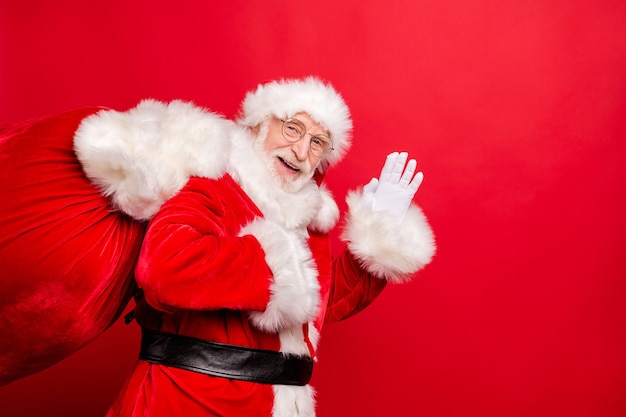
(287,97)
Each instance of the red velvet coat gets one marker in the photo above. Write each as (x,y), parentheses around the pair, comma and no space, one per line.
(210,299)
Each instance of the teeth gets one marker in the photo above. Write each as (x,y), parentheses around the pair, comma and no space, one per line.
(295,168)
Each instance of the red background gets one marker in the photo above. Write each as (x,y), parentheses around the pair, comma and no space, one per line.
(516,111)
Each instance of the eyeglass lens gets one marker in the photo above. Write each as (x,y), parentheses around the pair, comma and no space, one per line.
(294,130)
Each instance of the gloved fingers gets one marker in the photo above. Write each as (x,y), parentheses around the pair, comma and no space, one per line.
(407,175)
(390,163)
(416,182)
(371,186)
(396,172)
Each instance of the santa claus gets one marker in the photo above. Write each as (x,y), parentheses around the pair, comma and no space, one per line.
(235,274)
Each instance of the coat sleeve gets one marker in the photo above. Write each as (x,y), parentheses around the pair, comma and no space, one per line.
(352,288)
(193,258)
(379,250)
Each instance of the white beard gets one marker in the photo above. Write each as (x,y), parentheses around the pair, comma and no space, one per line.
(251,170)
(289,185)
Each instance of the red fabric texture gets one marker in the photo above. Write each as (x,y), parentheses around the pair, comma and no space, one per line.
(193,258)
(157,394)
(345,289)
(199,277)
(66,257)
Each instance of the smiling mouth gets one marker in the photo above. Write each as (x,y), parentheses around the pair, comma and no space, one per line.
(288,165)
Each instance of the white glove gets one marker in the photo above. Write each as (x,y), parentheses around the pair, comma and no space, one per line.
(396,187)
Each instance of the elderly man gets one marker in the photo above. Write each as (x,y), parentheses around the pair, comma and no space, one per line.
(235,270)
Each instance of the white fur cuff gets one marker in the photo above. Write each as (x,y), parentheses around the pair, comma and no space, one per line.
(294,291)
(386,248)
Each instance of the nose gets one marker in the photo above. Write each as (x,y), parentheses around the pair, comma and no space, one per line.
(301,148)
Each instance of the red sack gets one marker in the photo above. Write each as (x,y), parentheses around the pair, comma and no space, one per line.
(66,257)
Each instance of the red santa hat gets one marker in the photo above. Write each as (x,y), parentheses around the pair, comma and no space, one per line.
(310,95)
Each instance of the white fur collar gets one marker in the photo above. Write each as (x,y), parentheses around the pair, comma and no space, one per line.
(138,159)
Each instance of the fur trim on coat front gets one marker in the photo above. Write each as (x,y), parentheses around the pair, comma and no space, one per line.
(295,291)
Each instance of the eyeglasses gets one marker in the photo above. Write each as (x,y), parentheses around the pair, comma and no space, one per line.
(294,130)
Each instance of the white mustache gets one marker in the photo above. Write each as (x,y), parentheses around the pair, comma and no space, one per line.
(286,155)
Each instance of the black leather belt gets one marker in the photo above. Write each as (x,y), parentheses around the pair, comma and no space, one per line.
(226,361)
